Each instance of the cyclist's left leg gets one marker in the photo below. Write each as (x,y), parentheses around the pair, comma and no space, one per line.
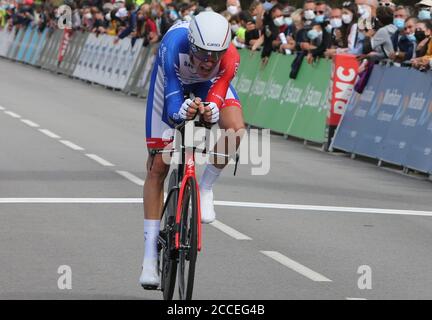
(232,123)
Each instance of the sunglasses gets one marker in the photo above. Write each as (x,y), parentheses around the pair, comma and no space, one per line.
(319,12)
(386,4)
(205,55)
(346,4)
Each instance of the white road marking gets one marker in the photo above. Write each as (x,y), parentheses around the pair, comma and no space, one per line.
(72,145)
(49,133)
(321,208)
(355,298)
(12,114)
(229,231)
(70,200)
(30,123)
(297,267)
(99,160)
(227,204)
(2,108)
(131,177)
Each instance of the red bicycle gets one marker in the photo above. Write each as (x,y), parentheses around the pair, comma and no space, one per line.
(179,239)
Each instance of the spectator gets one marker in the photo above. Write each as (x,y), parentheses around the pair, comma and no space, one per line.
(233,7)
(424,9)
(423,34)
(404,41)
(319,42)
(378,42)
(273,21)
(338,40)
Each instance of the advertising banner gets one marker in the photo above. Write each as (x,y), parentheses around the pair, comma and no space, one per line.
(402,132)
(309,120)
(6,40)
(354,118)
(343,76)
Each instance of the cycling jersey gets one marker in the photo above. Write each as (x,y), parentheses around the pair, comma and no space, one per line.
(174,76)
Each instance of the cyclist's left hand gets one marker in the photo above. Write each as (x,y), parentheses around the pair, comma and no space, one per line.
(210,112)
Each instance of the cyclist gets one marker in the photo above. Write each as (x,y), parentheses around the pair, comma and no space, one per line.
(198,58)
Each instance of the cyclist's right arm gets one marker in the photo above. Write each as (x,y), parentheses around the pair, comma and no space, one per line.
(172,86)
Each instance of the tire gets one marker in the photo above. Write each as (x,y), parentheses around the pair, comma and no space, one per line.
(168,255)
(188,240)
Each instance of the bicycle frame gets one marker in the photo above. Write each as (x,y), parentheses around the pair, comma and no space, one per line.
(187,169)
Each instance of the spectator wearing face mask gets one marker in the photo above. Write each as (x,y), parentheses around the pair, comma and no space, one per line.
(319,41)
(404,42)
(321,12)
(273,22)
(423,34)
(422,62)
(378,42)
(424,9)
(350,28)
(338,41)
(308,17)
(233,7)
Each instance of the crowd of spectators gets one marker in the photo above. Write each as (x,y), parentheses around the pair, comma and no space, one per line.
(370,29)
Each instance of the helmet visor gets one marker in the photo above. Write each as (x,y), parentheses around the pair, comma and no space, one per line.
(205,55)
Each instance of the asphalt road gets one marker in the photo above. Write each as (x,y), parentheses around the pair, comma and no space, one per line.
(303,228)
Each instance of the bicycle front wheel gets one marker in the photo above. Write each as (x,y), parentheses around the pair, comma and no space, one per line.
(188,229)
(168,254)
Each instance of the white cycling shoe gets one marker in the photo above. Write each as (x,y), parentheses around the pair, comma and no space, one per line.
(208,214)
(150,278)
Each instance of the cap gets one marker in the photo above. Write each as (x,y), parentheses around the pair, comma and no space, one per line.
(426,3)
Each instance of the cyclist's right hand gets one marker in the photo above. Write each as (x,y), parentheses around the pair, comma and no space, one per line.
(189,109)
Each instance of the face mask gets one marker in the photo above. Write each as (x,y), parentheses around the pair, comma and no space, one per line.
(154,13)
(347,18)
(279,21)
(108,17)
(267,6)
(313,34)
(424,14)
(187,18)
(233,10)
(309,15)
(173,15)
(235,28)
(254,17)
(328,28)
(399,23)
(411,37)
(336,23)
(420,35)
(88,16)
(319,19)
(288,21)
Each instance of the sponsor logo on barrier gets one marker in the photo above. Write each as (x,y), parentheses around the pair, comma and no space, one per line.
(244,85)
(291,94)
(259,87)
(344,74)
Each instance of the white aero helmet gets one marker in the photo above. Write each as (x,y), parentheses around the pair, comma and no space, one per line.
(209,32)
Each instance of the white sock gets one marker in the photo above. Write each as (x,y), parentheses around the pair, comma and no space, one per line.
(209,177)
(151,232)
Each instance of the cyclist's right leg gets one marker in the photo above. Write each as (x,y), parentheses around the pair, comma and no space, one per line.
(157,171)
(158,136)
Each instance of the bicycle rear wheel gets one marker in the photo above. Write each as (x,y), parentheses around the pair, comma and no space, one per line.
(168,254)
(188,240)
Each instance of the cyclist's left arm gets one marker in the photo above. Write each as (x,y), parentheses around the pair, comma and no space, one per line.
(228,69)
